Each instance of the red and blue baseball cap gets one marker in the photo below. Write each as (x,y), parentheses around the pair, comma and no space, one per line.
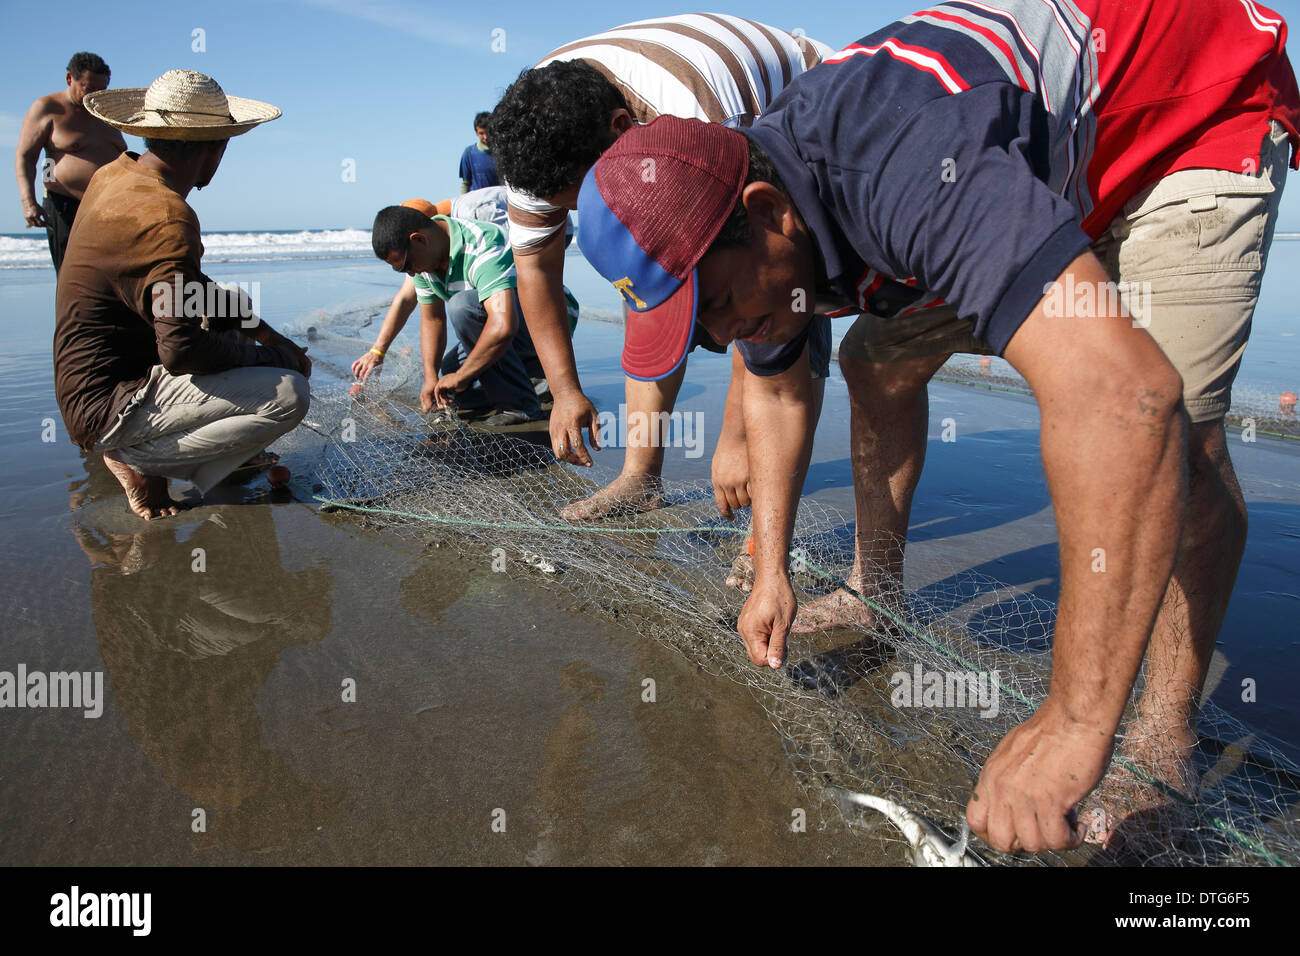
(647,213)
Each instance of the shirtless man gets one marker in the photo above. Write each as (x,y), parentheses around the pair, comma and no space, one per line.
(75,143)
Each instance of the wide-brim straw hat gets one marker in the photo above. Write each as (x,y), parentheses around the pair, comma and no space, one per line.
(180,104)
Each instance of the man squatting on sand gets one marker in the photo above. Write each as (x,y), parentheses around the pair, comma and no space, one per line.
(75,144)
(546,132)
(162,387)
(950,175)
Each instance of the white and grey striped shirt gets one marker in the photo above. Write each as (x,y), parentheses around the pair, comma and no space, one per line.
(707,66)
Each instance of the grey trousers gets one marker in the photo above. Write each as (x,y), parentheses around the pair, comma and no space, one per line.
(200,428)
(507,385)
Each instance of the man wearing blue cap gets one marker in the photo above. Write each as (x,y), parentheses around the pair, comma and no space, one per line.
(1079,188)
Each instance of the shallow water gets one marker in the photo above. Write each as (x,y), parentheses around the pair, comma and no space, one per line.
(224,686)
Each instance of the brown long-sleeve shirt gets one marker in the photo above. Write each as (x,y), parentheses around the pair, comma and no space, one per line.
(117,315)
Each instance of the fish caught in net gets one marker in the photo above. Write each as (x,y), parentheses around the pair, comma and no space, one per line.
(852,743)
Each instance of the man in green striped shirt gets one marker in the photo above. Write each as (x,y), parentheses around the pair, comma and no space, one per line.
(464,271)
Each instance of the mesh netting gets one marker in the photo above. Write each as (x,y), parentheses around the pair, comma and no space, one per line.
(663,574)
(1254,412)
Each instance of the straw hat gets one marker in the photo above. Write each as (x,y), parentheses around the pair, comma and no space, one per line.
(180,104)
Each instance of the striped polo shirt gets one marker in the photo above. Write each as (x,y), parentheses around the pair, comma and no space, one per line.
(479,259)
(969,152)
(707,66)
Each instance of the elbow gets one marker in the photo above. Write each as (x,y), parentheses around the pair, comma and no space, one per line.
(177,360)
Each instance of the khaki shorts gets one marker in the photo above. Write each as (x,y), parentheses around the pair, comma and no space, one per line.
(1195,244)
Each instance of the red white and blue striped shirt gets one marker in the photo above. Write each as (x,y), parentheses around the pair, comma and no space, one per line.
(969,152)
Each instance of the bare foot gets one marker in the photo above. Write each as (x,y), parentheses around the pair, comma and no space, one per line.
(626,494)
(146,495)
(1126,810)
(837,609)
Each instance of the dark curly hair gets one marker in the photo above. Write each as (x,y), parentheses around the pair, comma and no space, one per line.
(552,123)
(88,63)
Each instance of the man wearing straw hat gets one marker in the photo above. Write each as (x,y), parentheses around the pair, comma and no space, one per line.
(163,372)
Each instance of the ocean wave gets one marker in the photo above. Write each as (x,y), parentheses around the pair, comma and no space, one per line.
(21,252)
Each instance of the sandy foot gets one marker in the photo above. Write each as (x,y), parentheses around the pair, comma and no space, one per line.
(626,494)
(146,495)
(1126,811)
(837,609)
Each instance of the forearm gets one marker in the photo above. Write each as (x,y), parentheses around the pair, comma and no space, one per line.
(1114,452)
(1120,495)
(487,351)
(185,347)
(546,314)
(25,173)
(778,418)
(33,137)
(433,342)
(399,311)
(733,412)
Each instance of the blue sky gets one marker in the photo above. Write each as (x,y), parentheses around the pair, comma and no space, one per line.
(391,84)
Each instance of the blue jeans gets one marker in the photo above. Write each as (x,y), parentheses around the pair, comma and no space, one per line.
(507,385)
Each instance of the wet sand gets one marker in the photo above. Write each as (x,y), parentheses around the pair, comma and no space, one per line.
(476,692)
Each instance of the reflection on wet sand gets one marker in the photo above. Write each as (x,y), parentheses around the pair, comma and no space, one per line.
(191,621)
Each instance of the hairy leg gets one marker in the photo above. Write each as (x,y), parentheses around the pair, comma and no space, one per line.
(1163,735)
(889,411)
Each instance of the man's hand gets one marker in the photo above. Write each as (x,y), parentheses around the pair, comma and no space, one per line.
(1028,789)
(297,355)
(294,356)
(730,475)
(445,389)
(572,413)
(363,366)
(428,394)
(33,214)
(765,621)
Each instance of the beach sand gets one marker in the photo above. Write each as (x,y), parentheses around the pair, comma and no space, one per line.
(479,696)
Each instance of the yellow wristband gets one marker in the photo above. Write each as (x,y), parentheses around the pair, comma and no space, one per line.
(376,351)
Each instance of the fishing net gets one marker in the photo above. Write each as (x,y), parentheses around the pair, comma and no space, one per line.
(1255,414)
(838,705)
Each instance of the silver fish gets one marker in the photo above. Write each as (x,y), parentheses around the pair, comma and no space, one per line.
(543,564)
(929,846)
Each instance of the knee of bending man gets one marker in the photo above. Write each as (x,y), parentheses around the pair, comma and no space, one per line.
(897,382)
(1145,392)
(292,398)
